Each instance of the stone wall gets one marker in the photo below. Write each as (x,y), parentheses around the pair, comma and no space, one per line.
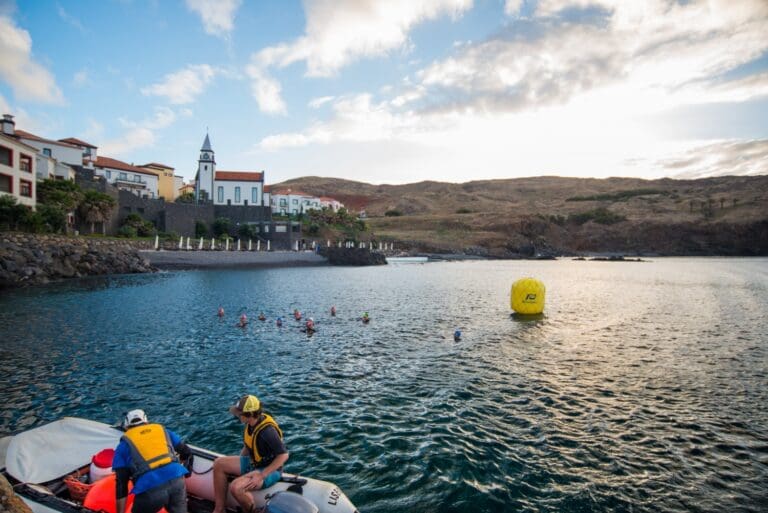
(29,259)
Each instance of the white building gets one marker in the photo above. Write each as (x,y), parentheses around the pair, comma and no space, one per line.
(17,167)
(124,176)
(242,188)
(290,202)
(61,151)
(90,153)
(331,203)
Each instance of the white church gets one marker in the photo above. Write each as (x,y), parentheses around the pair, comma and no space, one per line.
(243,188)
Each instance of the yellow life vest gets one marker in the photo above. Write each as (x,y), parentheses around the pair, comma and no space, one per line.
(250,438)
(150,446)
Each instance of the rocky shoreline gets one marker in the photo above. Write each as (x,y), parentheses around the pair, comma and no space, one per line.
(33,259)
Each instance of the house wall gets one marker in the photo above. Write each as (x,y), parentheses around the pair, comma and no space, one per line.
(246,195)
(61,153)
(112,175)
(23,184)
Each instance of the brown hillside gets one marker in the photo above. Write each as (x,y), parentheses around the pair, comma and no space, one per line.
(503,216)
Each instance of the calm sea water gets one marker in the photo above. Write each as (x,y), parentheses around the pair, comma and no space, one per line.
(643,388)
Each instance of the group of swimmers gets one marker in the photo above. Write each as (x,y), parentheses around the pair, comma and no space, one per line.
(309,324)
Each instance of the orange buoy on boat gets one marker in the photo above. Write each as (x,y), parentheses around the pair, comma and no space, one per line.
(101,496)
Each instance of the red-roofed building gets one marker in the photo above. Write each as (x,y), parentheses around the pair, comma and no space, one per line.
(331,203)
(290,202)
(122,175)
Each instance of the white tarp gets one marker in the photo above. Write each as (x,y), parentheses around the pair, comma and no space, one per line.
(56,449)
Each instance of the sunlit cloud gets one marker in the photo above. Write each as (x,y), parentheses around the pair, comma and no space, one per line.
(265,90)
(218,16)
(69,19)
(28,79)
(182,86)
(141,134)
(80,78)
(719,158)
(316,103)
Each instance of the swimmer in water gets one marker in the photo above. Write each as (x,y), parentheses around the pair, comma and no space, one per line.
(243,321)
(310,325)
(220,313)
(457,335)
(297,314)
(279,322)
(262,317)
(365,318)
(333,311)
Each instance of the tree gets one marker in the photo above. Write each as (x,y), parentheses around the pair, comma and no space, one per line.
(96,207)
(187,197)
(11,213)
(221,226)
(56,199)
(245,231)
(201,229)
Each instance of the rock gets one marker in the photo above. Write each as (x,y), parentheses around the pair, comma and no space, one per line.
(353,256)
(9,501)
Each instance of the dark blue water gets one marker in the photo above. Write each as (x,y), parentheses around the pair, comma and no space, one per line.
(644,387)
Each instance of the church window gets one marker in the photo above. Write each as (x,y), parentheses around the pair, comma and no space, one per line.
(221,194)
(205,167)
(237,194)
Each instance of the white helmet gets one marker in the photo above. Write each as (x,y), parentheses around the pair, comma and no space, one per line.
(134,418)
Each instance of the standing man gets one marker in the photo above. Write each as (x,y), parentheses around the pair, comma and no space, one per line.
(146,456)
(259,464)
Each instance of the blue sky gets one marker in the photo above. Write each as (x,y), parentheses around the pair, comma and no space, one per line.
(398,91)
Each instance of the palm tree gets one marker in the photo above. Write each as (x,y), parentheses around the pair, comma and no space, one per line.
(96,207)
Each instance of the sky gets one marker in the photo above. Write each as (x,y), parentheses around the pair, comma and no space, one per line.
(398,91)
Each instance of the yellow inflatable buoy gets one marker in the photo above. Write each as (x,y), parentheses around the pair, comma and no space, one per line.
(527,296)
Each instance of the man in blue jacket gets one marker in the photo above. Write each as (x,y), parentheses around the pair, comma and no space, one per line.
(146,455)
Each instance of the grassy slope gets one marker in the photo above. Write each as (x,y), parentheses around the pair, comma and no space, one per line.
(503,210)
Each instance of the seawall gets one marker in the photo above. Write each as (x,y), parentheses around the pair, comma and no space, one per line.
(34,259)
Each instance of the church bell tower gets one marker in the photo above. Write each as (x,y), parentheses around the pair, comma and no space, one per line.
(206,171)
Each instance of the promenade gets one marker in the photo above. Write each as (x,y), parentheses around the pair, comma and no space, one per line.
(228,259)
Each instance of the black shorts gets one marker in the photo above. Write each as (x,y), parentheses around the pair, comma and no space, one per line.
(171,495)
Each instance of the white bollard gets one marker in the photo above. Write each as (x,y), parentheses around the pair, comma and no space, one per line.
(339,243)
(200,246)
(213,243)
(181,241)
(327,244)
(258,245)
(157,242)
(227,248)
(189,245)
(249,244)
(238,244)
(297,245)
(268,244)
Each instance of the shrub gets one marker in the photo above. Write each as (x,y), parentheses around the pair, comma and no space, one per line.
(187,197)
(598,215)
(245,231)
(201,229)
(221,226)
(126,231)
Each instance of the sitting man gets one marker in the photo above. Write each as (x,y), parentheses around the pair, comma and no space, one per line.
(260,462)
(146,455)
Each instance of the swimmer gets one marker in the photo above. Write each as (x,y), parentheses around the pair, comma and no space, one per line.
(365,318)
(279,322)
(333,311)
(297,314)
(457,335)
(262,317)
(310,325)
(220,313)
(243,321)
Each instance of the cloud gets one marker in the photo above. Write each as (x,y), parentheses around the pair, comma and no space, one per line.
(266,90)
(68,18)
(28,79)
(182,86)
(141,134)
(80,78)
(656,47)
(339,32)
(218,16)
(721,158)
(316,103)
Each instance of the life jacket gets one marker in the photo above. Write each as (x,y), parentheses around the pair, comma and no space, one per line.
(151,448)
(250,438)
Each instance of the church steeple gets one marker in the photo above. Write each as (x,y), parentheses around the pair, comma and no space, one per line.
(206,171)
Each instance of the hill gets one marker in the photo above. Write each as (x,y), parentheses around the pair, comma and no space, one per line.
(527,216)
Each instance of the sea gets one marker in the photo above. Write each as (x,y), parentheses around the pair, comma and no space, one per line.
(642,388)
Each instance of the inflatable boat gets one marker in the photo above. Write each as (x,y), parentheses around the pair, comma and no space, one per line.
(51,468)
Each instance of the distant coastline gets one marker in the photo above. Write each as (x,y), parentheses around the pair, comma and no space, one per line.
(231,259)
